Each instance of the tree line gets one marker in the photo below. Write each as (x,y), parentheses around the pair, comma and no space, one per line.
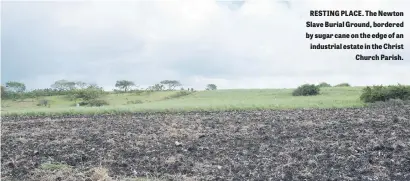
(17,90)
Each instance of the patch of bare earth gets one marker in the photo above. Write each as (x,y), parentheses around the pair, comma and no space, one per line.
(326,144)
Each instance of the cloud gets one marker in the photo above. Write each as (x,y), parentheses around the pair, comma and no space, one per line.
(258,44)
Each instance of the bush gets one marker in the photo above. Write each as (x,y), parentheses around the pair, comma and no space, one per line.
(343,85)
(43,102)
(35,93)
(88,94)
(383,93)
(390,103)
(136,91)
(84,103)
(94,103)
(211,87)
(117,91)
(135,102)
(324,84)
(178,94)
(306,90)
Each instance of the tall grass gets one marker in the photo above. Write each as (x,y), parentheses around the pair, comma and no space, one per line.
(251,99)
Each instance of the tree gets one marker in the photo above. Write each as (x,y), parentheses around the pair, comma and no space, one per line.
(158,87)
(91,92)
(324,84)
(124,84)
(91,96)
(306,90)
(94,86)
(3,92)
(16,87)
(385,93)
(81,84)
(172,84)
(63,85)
(211,87)
(343,85)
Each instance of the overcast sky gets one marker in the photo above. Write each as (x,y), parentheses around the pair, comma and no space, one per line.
(259,44)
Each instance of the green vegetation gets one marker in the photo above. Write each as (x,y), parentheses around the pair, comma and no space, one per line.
(178,94)
(135,102)
(43,102)
(251,99)
(124,85)
(385,93)
(172,84)
(324,84)
(211,87)
(16,86)
(343,85)
(91,96)
(306,90)
(76,97)
(63,85)
(94,103)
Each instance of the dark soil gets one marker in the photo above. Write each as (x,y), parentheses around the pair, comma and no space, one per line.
(322,144)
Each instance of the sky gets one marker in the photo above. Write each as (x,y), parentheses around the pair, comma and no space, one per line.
(253,44)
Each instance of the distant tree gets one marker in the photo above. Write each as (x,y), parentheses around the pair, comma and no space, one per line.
(306,90)
(90,96)
(3,92)
(124,84)
(159,87)
(94,86)
(385,93)
(63,85)
(80,84)
(211,87)
(43,102)
(172,84)
(16,87)
(90,93)
(324,84)
(156,87)
(343,85)
(14,90)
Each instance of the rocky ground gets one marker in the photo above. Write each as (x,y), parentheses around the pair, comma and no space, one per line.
(317,144)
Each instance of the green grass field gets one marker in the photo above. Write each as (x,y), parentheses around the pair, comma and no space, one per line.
(202,100)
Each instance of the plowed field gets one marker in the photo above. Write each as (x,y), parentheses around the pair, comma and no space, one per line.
(315,144)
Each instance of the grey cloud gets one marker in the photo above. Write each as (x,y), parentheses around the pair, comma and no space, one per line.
(259,44)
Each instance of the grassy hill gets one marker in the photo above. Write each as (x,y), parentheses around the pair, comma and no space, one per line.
(203,100)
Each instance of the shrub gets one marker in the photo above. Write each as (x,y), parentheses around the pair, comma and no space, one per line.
(324,84)
(94,103)
(136,91)
(3,92)
(135,102)
(306,90)
(390,103)
(343,85)
(90,93)
(43,102)
(84,103)
(211,87)
(383,93)
(178,94)
(117,91)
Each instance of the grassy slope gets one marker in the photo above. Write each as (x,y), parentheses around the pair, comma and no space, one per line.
(204,100)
